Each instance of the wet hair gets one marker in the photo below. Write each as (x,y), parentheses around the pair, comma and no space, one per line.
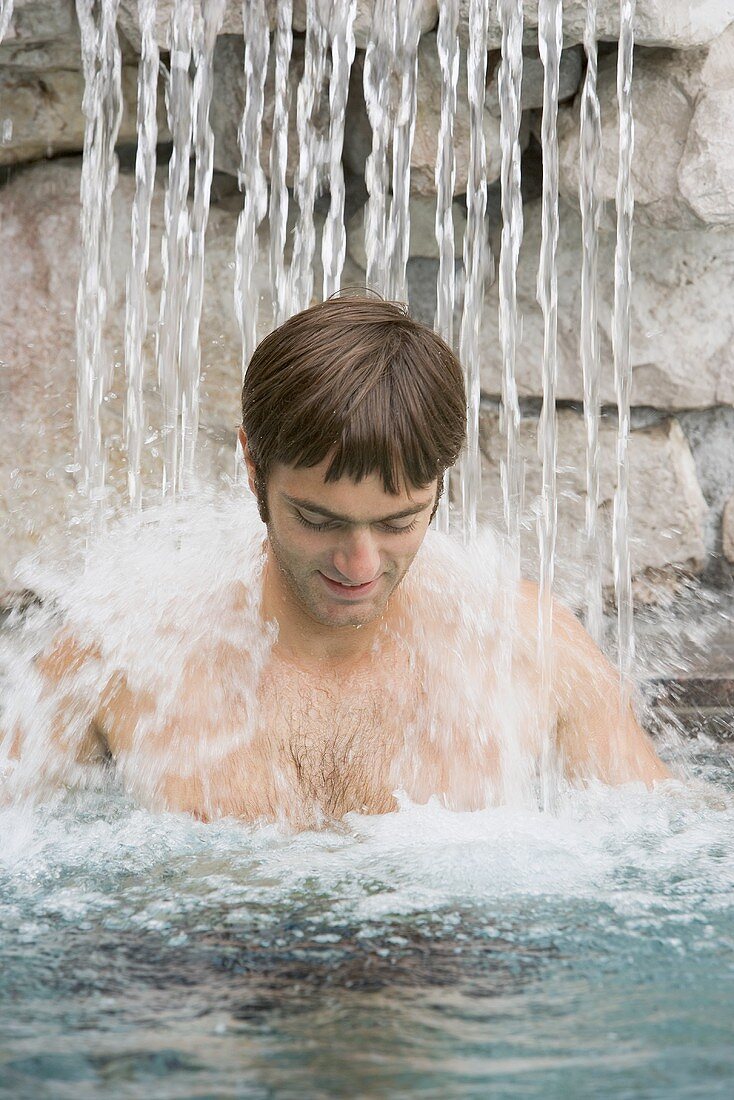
(358,380)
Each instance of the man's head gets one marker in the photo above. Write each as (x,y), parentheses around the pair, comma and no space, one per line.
(355,408)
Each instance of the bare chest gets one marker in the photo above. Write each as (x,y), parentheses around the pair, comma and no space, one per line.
(335,741)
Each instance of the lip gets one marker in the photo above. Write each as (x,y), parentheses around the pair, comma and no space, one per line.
(349,591)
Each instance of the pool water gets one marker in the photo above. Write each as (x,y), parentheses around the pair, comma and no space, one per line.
(424,953)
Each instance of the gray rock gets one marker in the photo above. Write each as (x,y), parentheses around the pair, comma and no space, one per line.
(358,137)
(680,24)
(682,324)
(42,112)
(228,104)
(683,165)
(728,530)
(232,24)
(422,231)
(39,267)
(428,15)
(571,69)
(667,507)
(36,21)
(127,20)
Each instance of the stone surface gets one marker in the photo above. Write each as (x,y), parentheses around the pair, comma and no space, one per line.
(39,258)
(422,231)
(683,163)
(39,264)
(677,23)
(42,112)
(358,137)
(667,508)
(682,323)
(35,21)
(228,104)
(571,69)
(710,435)
(727,530)
(232,22)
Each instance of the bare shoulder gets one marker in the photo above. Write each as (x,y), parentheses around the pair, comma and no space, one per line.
(597,731)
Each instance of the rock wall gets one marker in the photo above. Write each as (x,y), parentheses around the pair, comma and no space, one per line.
(682,444)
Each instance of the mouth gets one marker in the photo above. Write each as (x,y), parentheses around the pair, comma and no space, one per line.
(349,591)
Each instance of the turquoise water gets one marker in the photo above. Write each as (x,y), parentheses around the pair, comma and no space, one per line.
(507,953)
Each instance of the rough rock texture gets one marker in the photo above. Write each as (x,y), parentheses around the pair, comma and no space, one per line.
(42,112)
(710,434)
(232,23)
(39,258)
(677,23)
(39,265)
(728,530)
(682,324)
(571,69)
(683,165)
(422,231)
(667,508)
(36,21)
(358,137)
(229,100)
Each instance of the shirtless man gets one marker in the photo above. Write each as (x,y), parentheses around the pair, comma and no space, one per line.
(332,677)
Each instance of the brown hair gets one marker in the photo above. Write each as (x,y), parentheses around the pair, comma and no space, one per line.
(358,379)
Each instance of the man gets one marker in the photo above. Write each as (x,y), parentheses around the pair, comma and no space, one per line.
(330,677)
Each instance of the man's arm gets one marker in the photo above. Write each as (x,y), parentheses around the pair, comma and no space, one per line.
(597,733)
(54,734)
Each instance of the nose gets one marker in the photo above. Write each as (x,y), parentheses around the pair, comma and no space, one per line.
(357,558)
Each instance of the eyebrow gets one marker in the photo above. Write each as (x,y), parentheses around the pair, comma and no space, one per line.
(318,509)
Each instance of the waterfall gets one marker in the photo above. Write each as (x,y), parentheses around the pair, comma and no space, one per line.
(510,88)
(174,251)
(136,319)
(590,148)
(206,29)
(102,106)
(622,362)
(334,239)
(390,76)
(550,41)
(278,208)
(390,89)
(252,177)
(313,156)
(445,179)
(476,255)
(6,14)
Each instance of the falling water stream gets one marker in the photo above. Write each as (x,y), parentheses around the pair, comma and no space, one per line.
(476,263)
(445,179)
(590,145)
(507,950)
(550,39)
(622,328)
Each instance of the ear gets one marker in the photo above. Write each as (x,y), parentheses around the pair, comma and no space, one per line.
(248,460)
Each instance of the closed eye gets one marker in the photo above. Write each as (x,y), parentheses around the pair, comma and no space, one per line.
(331,525)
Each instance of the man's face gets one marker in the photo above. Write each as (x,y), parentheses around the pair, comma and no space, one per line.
(342,547)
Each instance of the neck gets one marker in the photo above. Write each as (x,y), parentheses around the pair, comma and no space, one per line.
(304,640)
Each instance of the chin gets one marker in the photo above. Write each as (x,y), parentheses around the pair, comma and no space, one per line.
(347,616)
